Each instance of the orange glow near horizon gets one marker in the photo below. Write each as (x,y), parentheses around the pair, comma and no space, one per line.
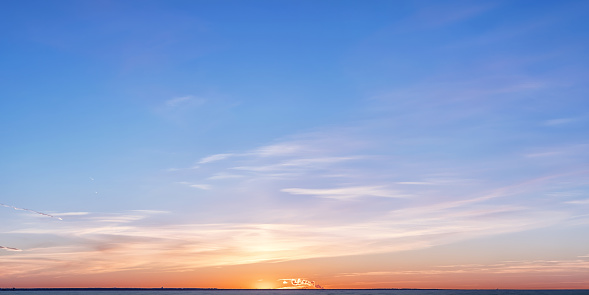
(268,276)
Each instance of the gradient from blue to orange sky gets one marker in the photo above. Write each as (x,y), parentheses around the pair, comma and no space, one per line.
(242,144)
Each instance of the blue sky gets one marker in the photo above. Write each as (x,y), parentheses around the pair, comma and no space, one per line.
(248,132)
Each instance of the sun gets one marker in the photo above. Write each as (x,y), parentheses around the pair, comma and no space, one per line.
(262,284)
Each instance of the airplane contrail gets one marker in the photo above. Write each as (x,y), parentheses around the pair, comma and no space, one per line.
(10,248)
(36,212)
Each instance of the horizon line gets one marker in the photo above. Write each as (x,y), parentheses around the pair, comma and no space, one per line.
(237,289)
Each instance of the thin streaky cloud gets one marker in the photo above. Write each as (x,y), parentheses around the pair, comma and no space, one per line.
(312,162)
(72,213)
(196,185)
(10,248)
(578,149)
(29,210)
(579,202)
(214,158)
(301,163)
(218,176)
(201,186)
(530,185)
(282,149)
(347,192)
(502,267)
(415,182)
(151,212)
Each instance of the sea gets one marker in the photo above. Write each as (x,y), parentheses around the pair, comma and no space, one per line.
(294,292)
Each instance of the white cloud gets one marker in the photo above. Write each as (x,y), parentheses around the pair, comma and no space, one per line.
(577,150)
(297,164)
(201,186)
(298,283)
(151,212)
(218,176)
(32,211)
(347,192)
(579,202)
(502,267)
(72,213)
(214,158)
(281,149)
(196,185)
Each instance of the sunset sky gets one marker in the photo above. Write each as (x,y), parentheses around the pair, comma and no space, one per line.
(289,144)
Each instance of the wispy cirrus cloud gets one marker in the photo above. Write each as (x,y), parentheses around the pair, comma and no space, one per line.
(433,165)
(219,176)
(297,164)
(10,248)
(29,210)
(503,267)
(133,242)
(442,206)
(345,193)
(415,182)
(201,186)
(579,202)
(281,149)
(187,100)
(214,158)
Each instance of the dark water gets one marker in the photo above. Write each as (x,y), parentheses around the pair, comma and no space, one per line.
(300,292)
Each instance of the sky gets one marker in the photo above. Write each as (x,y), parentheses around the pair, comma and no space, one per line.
(294,144)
